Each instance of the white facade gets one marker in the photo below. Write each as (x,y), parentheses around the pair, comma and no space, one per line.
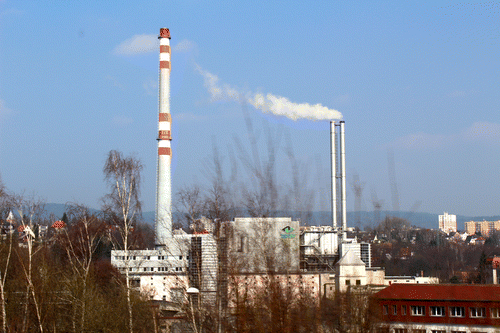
(320,240)
(448,223)
(164,272)
(362,250)
(410,279)
(262,244)
(350,271)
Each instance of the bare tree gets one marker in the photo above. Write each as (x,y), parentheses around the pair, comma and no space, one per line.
(81,244)
(123,175)
(358,304)
(30,211)
(190,203)
(6,247)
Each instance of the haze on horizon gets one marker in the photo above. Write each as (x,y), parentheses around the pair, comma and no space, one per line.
(418,79)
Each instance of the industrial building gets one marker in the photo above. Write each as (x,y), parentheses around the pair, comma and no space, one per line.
(247,251)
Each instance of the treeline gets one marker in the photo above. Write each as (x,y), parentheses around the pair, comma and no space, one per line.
(66,283)
(411,251)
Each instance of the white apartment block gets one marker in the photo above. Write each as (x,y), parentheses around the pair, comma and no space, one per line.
(448,223)
(167,272)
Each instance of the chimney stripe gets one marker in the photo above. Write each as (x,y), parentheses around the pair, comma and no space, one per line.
(164,48)
(164,64)
(164,151)
(165,117)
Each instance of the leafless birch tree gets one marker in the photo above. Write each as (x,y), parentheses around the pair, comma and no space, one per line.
(123,176)
(30,211)
(81,244)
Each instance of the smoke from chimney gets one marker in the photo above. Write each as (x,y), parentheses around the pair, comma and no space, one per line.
(269,103)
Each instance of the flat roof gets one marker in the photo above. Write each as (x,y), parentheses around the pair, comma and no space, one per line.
(446,292)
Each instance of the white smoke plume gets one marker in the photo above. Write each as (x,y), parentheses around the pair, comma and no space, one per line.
(277,105)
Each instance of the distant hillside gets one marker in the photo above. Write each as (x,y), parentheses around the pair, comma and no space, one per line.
(354,219)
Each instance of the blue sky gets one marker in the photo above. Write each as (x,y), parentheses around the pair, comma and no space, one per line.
(420,79)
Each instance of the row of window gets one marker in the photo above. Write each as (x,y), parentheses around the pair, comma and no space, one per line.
(150,269)
(348,282)
(440,311)
(404,330)
(161,269)
(147,257)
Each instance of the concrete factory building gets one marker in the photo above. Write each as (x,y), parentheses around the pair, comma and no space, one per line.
(264,244)
(448,223)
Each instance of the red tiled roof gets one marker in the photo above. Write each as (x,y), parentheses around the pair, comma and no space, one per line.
(58,225)
(455,292)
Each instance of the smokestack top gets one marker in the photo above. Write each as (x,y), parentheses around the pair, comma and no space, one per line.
(164,33)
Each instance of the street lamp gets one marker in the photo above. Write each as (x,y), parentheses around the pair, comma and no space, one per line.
(193,294)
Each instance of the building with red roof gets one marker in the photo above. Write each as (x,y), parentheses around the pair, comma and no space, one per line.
(438,308)
(58,225)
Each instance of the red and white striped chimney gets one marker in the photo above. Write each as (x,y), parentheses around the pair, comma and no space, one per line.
(163,180)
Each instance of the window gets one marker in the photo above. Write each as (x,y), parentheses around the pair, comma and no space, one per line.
(437,311)
(458,332)
(417,310)
(394,310)
(457,311)
(438,331)
(403,310)
(347,282)
(385,309)
(358,282)
(477,312)
(495,313)
(400,330)
(242,244)
(419,331)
